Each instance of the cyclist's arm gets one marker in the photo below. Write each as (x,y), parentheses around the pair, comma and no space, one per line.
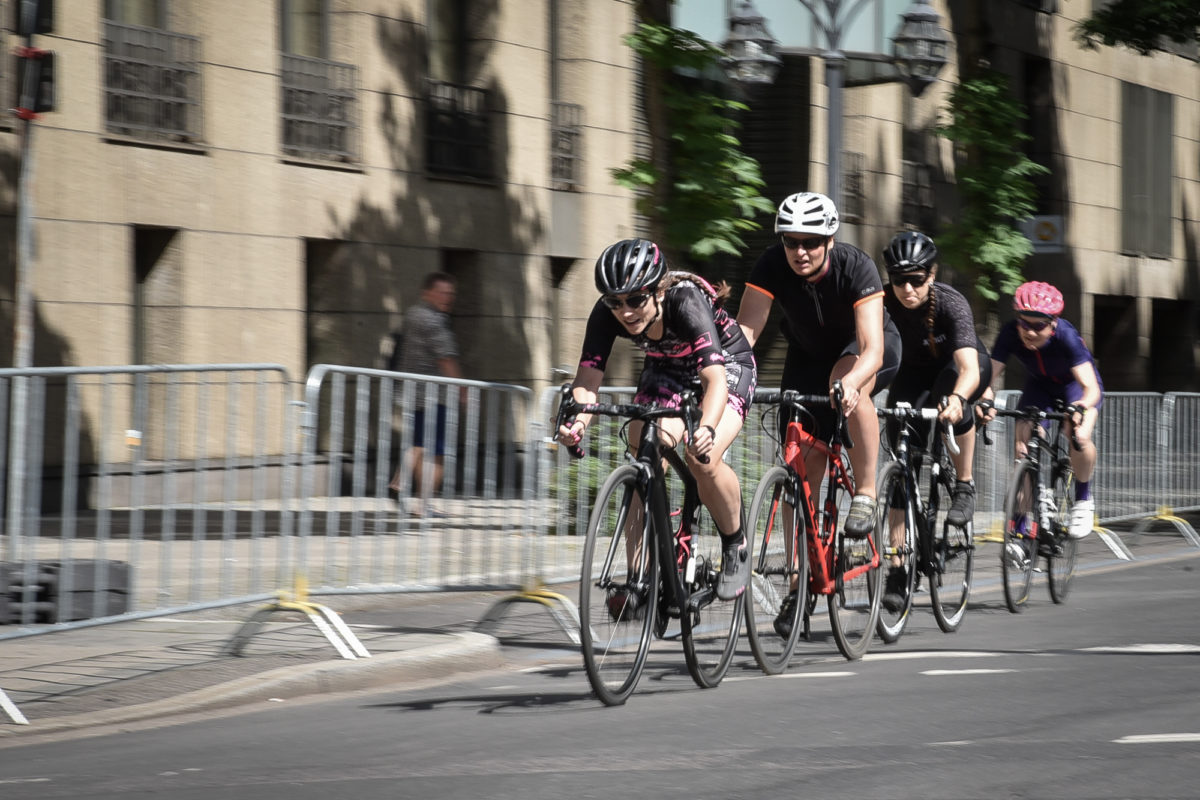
(1085,374)
(868,327)
(966,360)
(753,312)
(584,389)
(712,408)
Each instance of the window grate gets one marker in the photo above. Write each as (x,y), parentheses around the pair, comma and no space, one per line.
(151,83)
(916,195)
(854,187)
(458,131)
(320,108)
(566,145)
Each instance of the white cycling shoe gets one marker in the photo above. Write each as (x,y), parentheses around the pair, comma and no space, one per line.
(1083,517)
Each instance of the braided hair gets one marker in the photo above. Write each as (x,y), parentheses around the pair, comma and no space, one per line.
(929,317)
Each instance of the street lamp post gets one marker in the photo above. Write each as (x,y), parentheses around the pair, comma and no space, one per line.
(750,51)
(919,45)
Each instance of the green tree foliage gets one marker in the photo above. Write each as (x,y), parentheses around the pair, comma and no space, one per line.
(1143,25)
(993,182)
(710,193)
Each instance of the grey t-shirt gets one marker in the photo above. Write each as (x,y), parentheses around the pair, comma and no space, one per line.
(427,339)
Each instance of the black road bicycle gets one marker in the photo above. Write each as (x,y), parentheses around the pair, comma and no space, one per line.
(652,554)
(931,547)
(1038,507)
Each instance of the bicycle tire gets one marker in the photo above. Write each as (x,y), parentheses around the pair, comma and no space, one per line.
(780,561)
(1018,550)
(1060,560)
(613,639)
(951,560)
(854,603)
(896,508)
(709,626)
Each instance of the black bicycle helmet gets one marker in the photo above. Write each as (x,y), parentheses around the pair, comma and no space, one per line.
(910,251)
(630,265)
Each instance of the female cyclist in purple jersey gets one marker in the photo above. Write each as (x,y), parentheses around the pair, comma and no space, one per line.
(1059,367)
(691,343)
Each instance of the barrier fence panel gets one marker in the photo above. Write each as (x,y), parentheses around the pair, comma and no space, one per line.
(142,489)
(468,527)
(1131,474)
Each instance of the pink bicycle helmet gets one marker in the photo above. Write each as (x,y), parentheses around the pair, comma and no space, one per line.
(1036,297)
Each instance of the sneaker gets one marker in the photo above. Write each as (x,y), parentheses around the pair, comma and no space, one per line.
(1016,555)
(735,570)
(962,507)
(1083,517)
(625,605)
(783,620)
(894,589)
(861,519)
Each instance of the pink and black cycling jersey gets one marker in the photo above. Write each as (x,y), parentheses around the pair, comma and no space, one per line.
(697,333)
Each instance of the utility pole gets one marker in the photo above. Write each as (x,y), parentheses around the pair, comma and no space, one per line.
(35,82)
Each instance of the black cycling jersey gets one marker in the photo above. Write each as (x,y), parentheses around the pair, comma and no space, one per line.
(819,316)
(953,328)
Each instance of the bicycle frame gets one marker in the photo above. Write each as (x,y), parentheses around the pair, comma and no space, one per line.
(820,537)
(922,509)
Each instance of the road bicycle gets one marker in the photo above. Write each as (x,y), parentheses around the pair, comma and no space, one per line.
(1038,507)
(931,547)
(652,554)
(800,554)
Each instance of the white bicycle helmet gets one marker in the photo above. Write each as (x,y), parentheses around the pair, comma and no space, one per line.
(807,212)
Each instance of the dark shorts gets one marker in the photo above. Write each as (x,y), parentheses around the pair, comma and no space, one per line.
(925,388)
(439,434)
(809,375)
(1043,395)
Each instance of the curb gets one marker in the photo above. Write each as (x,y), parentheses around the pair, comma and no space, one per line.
(464,652)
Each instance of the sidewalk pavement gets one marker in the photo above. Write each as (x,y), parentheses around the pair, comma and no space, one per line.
(106,675)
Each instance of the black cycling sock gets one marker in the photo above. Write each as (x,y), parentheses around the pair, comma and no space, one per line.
(730,539)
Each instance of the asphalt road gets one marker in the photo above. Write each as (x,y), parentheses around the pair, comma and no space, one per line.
(1099,698)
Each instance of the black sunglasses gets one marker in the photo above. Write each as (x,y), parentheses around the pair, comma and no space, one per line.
(634,301)
(916,280)
(811,243)
(1037,326)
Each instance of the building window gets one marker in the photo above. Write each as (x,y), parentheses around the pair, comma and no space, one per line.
(304,28)
(566,145)
(152,87)
(916,195)
(458,131)
(1147,127)
(854,187)
(319,114)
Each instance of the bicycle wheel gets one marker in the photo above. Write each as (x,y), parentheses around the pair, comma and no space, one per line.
(618,588)
(1018,551)
(780,567)
(709,625)
(951,560)
(898,517)
(854,603)
(1060,558)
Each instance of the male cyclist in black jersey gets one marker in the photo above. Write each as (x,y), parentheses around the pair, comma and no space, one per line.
(836,328)
(691,343)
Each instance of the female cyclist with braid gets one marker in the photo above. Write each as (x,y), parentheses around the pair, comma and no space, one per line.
(943,358)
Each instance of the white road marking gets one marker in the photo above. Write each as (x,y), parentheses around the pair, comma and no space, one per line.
(1157,738)
(1144,648)
(6,781)
(966,671)
(913,654)
(843,674)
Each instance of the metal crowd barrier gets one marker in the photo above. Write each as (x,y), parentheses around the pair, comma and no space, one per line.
(140,491)
(355,535)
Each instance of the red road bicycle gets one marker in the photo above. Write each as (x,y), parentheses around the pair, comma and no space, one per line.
(801,554)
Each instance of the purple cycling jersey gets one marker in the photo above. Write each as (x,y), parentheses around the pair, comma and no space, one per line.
(1049,367)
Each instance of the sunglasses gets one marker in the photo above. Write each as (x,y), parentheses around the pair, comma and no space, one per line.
(811,243)
(916,280)
(634,301)
(1036,326)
